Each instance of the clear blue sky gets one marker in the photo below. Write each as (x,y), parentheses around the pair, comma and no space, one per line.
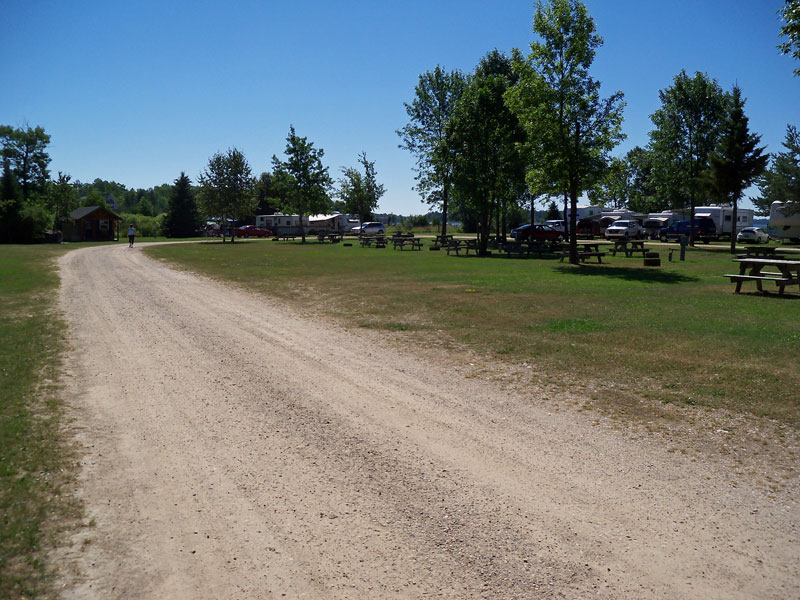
(137,92)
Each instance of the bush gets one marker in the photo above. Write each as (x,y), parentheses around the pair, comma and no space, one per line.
(144,225)
(34,220)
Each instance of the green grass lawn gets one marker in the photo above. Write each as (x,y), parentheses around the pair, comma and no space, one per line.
(34,462)
(675,334)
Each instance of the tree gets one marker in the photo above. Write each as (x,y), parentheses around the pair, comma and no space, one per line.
(182,219)
(737,161)
(61,199)
(302,177)
(790,13)
(687,129)
(25,150)
(552,211)
(10,205)
(360,192)
(569,127)
(268,194)
(482,137)
(226,188)
(781,182)
(435,99)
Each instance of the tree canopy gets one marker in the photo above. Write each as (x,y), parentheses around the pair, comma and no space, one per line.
(360,192)
(435,98)
(302,177)
(790,13)
(226,188)
(182,219)
(570,128)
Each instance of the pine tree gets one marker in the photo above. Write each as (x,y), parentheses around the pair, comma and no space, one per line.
(737,161)
(182,219)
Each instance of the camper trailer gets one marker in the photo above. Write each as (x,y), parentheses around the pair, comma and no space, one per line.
(784,226)
(333,223)
(281,224)
(722,215)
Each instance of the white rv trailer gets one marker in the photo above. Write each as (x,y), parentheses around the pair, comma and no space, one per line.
(784,226)
(281,224)
(584,211)
(333,223)
(722,215)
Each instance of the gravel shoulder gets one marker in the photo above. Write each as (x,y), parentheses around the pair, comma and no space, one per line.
(234,448)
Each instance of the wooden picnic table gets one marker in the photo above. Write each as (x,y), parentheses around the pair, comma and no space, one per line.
(752,269)
(369,240)
(761,251)
(402,241)
(442,240)
(629,247)
(331,237)
(527,248)
(456,245)
(586,250)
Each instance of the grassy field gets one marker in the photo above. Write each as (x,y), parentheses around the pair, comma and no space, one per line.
(34,463)
(675,334)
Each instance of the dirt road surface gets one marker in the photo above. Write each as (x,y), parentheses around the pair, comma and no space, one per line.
(236,449)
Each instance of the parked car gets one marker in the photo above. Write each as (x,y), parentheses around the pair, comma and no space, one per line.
(704,229)
(536,232)
(369,228)
(625,230)
(558,225)
(755,235)
(251,230)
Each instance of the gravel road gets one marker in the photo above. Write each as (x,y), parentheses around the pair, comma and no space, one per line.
(234,448)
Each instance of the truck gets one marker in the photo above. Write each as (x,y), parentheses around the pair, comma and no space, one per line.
(722,215)
(782,225)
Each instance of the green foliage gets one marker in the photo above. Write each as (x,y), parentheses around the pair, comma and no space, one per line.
(790,14)
(781,182)
(25,151)
(570,129)
(303,179)
(61,199)
(482,137)
(226,188)
(435,98)
(552,211)
(360,192)
(737,161)
(688,127)
(182,219)
(144,225)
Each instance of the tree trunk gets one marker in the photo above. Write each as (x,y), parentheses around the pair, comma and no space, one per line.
(734,216)
(445,194)
(573,237)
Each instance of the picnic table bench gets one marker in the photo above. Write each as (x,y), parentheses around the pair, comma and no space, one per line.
(629,247)
(369,240)
(521,249)
(442,240)
(331,237)
(788,272)
(586,250)
(761,252)
(458,245)
(283,236)
(401,242)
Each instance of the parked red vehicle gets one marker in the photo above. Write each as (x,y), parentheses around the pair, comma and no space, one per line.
(251,230)
(536,232)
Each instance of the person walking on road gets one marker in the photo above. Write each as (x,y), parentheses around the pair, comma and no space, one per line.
(131,235)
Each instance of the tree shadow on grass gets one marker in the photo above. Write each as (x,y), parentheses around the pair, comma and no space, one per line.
(648,275)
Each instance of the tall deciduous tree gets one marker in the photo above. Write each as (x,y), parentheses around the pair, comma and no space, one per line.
(359,191)
(303,178)
(482,137)
(737,161)
(182,219)
(790,13)
(435,98)
(781,182)
(61,198)
(25,149)
(570,127)
(226,188)
(687,129)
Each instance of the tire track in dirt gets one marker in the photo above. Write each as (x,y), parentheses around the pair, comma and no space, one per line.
(236,449)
